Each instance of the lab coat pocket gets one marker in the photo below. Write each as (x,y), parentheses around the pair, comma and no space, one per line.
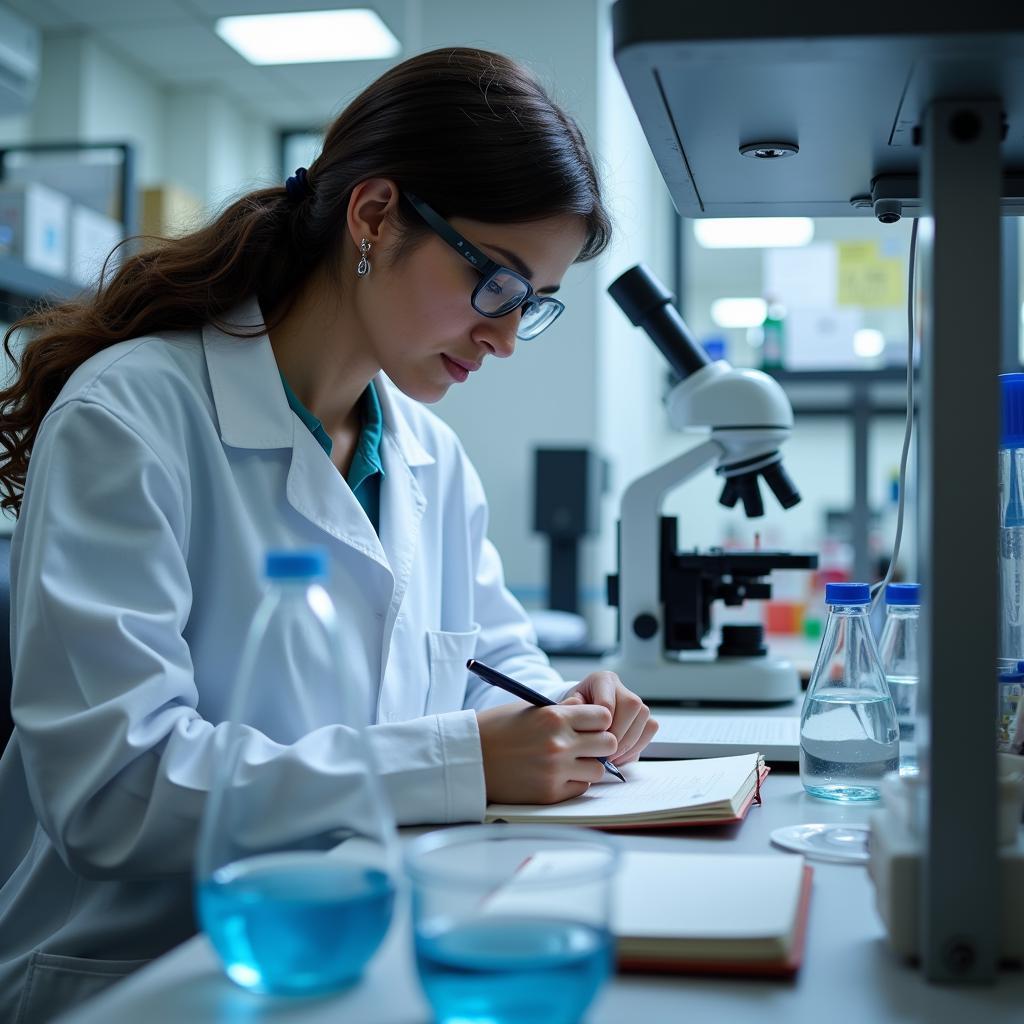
(57,983)
(448,654)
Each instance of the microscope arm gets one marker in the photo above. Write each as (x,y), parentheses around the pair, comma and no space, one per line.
(639,554)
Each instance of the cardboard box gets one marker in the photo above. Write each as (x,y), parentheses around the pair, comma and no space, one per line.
(93,237)
(34,225)
(169,211)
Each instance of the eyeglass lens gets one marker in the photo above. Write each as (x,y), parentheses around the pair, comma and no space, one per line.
(536,317)
(500,293)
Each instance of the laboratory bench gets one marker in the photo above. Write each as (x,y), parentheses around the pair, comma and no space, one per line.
(849,974)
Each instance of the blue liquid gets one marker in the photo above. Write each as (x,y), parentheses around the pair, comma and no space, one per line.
(295,923)
(849,739)
(508,970)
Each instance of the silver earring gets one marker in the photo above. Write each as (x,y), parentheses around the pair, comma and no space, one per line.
(363,266)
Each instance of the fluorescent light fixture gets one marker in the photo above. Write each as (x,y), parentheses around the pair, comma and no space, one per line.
(309,37)
(753,232)
(868,343)
(738,312)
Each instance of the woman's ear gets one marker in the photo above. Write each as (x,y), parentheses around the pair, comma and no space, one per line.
(369,208)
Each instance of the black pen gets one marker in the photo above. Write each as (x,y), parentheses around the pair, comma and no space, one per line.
(504,682)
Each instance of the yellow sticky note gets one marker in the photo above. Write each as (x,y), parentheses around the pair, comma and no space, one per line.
(869,279)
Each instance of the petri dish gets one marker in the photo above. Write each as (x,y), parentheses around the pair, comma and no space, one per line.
(839,843)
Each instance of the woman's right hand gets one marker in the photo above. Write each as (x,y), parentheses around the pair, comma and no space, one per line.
(543,755)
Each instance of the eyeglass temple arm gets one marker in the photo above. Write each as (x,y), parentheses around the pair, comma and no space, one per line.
(469,252)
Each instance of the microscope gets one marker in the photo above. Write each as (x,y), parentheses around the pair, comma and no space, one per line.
(663,595)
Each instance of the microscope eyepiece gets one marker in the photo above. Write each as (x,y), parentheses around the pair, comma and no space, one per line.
(648,304)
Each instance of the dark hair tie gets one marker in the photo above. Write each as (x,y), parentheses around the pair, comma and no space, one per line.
(298,185)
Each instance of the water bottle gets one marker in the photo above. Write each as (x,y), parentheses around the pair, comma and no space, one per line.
(898,651)
(1011,522)
(849,736)
(296,866)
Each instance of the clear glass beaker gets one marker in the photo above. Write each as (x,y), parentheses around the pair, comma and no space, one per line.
(512,923)
(849,736)
(297,863)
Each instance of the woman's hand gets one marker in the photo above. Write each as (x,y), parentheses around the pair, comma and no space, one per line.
(544,755)
(632,724)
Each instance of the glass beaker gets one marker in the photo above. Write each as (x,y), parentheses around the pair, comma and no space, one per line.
(849,736)
(297,862)
(512,923)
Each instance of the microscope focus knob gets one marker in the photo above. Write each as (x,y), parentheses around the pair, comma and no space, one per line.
(645,625)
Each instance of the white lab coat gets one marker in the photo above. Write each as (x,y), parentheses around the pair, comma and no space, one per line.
(163,472)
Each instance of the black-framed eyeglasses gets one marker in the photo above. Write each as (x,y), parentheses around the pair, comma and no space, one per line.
(501,291)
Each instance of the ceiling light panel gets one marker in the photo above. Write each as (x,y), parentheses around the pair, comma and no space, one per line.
(309,37)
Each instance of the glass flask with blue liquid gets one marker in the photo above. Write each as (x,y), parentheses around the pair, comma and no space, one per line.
(849,734)
(897,648)
(296,868)
(512,924)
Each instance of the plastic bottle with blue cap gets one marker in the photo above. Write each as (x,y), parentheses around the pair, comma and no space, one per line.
(897,648)
(283,916)
(849,735)
(1011,522)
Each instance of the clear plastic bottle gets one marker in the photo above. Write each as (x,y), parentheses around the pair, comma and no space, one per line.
(284,915)
(1011,522)
(898,651)
(849,736)
(773,347)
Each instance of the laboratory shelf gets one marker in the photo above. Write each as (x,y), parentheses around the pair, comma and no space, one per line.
(24,282)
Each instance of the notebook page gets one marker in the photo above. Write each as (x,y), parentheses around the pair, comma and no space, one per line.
(682,735)
(672,895)
(651,786)
(706,896)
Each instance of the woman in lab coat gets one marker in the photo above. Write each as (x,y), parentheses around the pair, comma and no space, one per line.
(259,384)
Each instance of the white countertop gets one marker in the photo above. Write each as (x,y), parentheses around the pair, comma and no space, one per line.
(849,975)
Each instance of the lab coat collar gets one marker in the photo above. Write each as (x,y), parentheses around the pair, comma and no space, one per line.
(252,408)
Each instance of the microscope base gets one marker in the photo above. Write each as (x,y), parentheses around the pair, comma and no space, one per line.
(715,680)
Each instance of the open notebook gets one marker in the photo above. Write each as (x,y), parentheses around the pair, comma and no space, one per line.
(712,791)
(688,912)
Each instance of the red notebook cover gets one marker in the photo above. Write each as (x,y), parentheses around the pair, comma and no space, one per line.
(760,968)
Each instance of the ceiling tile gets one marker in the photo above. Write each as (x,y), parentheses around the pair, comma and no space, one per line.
(115,13)
(331,83)
(37,12)
(169,48)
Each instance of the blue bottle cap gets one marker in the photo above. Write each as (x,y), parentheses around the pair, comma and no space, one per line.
(1011,386)
(903,593)
(847,593)
(300,564)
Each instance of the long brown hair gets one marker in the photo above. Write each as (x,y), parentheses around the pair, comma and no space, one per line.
(470,131)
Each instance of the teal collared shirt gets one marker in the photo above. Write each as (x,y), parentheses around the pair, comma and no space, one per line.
(366,471)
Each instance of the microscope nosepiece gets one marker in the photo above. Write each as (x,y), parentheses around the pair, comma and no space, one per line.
(741,484)
(782,485)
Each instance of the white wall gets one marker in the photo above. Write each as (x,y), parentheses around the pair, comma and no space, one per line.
(215,150)
(588,380)
(194,138)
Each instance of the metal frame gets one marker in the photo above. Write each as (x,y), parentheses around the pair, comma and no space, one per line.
(20,282)
(961,175)
(128,197)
